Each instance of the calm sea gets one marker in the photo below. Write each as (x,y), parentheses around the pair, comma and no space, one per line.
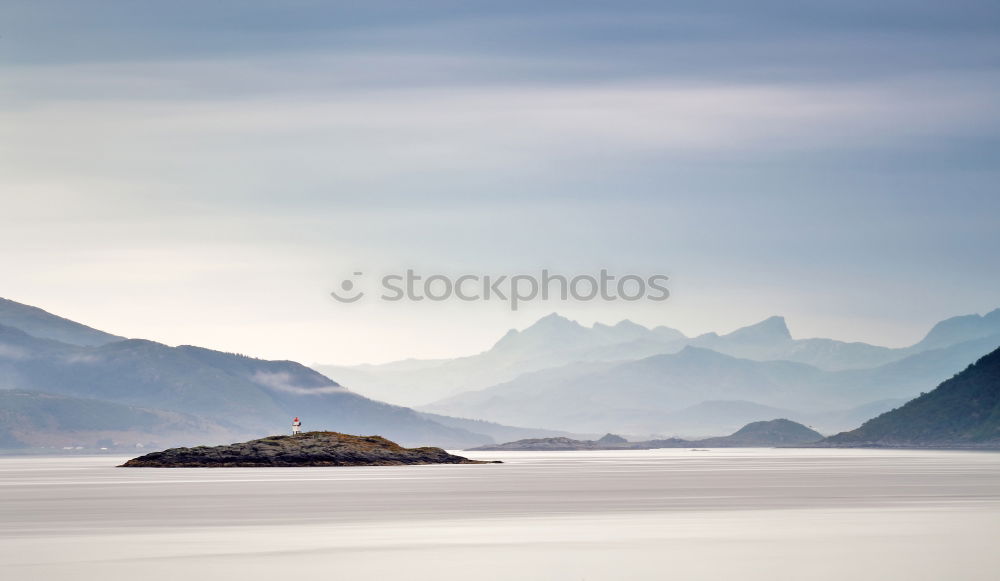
(747,514)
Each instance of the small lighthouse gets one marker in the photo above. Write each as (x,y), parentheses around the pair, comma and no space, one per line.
(296,426)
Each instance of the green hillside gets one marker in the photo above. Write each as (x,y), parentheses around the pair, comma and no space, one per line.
(964,410)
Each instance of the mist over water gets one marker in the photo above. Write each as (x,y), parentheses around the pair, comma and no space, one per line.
(651,514)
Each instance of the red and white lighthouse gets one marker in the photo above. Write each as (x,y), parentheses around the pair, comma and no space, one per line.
(296,426)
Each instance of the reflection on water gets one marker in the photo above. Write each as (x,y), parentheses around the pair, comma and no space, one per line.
(683,514)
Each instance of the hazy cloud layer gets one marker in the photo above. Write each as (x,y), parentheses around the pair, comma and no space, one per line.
(836,163)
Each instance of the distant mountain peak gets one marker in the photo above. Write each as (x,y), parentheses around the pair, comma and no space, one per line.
(554,316)
(554,321)
(770,329)
(622,331)
(551,327)
(961,328)
(665,331)
(610,438)
(690,352)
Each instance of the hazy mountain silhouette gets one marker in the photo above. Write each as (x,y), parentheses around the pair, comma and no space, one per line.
(959,329)
(555,341)
(499,432)
(35,419)
(635,397)
(556,373)
(767,433)
(962,411)
(238,394)
(720,416)
(675,392)
(770,340)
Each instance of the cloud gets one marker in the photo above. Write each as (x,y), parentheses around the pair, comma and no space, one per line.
(283,381)
(84,358)
(194,173)
(13,352)
(370,139)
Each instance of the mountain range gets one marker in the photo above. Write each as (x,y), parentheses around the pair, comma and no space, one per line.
(632,379)
(663,392)
(555,341)
(67,384)
(63,383)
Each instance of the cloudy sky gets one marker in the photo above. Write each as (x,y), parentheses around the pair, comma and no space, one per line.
(207,172)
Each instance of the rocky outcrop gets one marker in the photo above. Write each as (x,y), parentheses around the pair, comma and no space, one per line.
(308,449)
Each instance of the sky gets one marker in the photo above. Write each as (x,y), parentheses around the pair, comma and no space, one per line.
(208,172)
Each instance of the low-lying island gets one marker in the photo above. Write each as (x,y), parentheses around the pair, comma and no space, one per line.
(307,449)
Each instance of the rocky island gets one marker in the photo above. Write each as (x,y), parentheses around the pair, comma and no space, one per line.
(307,449)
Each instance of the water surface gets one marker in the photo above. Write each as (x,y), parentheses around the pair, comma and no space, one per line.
(743,514)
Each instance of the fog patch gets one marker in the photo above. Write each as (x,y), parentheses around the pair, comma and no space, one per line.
(83,358)
(8,351)
(284,381)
